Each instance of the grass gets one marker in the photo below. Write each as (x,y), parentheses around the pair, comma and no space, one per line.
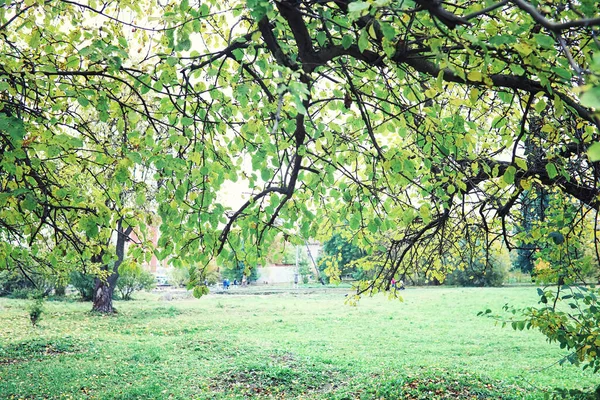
(286,345)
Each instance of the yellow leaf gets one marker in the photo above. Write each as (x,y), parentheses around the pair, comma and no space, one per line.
(525,184)
(430,93)
(195,157)
(475,76)
(372,32)
(474,95)
(319,146)
(547,128)
(256,36)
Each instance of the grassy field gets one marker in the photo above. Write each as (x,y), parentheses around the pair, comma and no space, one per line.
(294,345)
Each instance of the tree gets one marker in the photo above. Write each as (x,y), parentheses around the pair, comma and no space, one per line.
(479,267)
(404,121)
(133,278)
(74,129)
(533,205)
(340,253)
(388,118)
(85,285)
(239,271)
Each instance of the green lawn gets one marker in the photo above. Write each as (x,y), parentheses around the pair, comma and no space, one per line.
(433,345)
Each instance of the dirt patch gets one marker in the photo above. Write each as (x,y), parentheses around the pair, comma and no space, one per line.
(281,375)
(465,387)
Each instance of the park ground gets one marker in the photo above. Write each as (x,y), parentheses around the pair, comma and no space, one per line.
(304,344)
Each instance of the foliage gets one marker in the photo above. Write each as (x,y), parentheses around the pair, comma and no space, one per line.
(237,271)
(133,279)
(517,277)
(84,283)
(17,284)
(36,308)
(72,170)
(299,254)
(554,318)
(533,205)
(178,277)
(482,268)
(10,281)
(562,254)
(338,258)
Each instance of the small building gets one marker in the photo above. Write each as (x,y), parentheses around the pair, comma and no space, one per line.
(276,273)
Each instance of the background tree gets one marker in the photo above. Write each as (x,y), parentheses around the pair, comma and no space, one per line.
(341,255)
(74,124)
(133,278)
(239,272)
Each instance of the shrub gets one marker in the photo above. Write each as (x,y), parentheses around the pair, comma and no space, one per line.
(22,293)
(16,285)
(60,290)
(516,276)
(133,279)
(11,281)
(84,284)
(36,308)
(179,277)
(481,272)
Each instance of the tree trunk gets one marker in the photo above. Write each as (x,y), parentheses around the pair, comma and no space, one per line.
(103,292)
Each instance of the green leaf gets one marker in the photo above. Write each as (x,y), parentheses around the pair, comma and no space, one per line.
(562,72)
(552,171)
(90,227)
(83,101)
(388,31)
(557,237)
(358,7)
(363,40)
(502,39)
(591,98)
(545,41)
(509,175)
(321,38)
(594,152)
(347,41)
(521,163)
(186,121)
(540,105)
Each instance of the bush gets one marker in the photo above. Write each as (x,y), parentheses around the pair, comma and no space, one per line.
(516,277)
(11,281)
(477,273)
(133,279)
(60,290)
(179,277)
(85,285)
(36,308)
(22,293)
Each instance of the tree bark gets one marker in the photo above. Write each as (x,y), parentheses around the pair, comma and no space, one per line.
(104,289)
(103,293)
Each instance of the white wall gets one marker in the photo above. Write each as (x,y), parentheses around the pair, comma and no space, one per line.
(274,274)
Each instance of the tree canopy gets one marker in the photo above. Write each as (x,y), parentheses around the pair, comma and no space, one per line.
(411,123)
